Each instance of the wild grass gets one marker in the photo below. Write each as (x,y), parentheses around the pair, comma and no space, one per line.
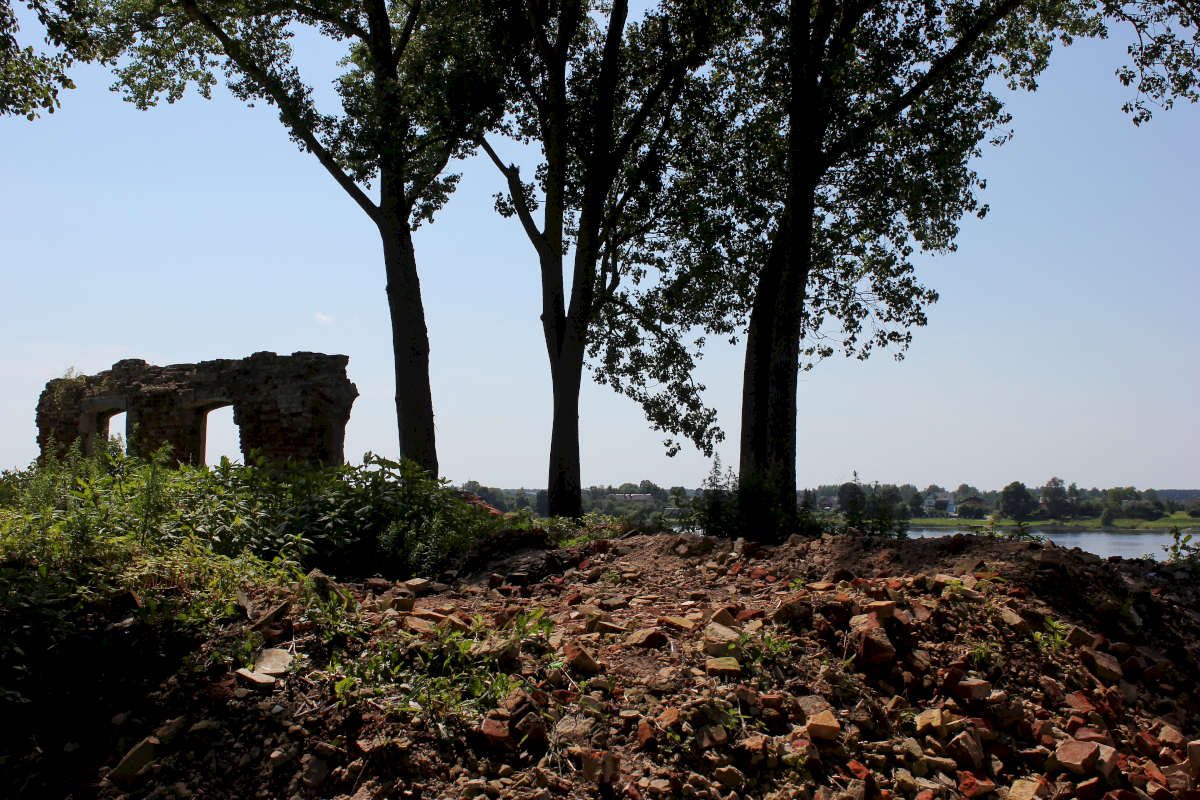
(76,531)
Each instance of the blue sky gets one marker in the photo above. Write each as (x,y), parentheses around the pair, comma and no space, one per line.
(1065,341)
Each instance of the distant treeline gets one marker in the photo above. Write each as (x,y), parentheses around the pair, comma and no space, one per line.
(595,498)
(1054,500)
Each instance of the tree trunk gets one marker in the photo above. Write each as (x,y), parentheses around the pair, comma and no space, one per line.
(566,375)
(767,464)
(410,337)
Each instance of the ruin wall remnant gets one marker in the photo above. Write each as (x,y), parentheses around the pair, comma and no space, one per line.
(293,406)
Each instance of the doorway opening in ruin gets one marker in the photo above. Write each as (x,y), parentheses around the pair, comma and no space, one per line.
(116,427)
(221,436)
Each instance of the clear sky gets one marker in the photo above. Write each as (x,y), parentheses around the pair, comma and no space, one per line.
(1065,342)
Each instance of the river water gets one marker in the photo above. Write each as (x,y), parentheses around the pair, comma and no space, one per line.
(1128,544)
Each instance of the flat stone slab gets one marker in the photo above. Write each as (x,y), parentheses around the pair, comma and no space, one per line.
(255,680)
(273,662)
(725,667)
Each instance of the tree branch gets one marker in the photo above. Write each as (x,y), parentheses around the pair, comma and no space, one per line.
(291,116)
(345,26)
(513,175)
(406,35)
(643,113)
(939,68)
(849,21)
(639,173)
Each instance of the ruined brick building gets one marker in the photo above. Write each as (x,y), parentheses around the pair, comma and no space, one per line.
(293,406)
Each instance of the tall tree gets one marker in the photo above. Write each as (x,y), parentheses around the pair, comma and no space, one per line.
(1055,498)
(602,97)
(418,89)
(1016,502)
(843,140)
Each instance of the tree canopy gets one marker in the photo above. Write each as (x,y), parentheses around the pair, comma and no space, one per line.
(30,80)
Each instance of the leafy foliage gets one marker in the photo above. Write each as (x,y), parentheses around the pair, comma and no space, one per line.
(1182,551)
(717,510)
(380,516)
(1016,502)
(30,80)
(75,531)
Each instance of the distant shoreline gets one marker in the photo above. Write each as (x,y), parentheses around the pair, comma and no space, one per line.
(1186,525)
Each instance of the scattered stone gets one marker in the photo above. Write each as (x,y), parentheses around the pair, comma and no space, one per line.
(966,750)
(730,777)
(1078,636)
(1105,666)
(647,637)
(1019,625)
(497,732)
(1078,757)
(930,720)
(313,771)
(825,726)
(1023,790)
(138,757)
(720,640)
(206,728)
(972,785)
(418,586)
(574,728)
(874,646)
(254,680)
(167,733)
(580,658)
(272,661)
(710,736)
(973,689)
(726,667)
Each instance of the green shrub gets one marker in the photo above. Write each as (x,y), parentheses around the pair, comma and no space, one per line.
(377,517)
(1144,509)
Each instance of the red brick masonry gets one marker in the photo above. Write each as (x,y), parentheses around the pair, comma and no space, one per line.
(292,406)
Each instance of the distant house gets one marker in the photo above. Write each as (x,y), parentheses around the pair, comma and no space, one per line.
(971,501)
(828,504)
(648,499)
(934,498)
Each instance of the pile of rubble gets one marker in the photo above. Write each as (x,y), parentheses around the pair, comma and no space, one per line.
(684,666)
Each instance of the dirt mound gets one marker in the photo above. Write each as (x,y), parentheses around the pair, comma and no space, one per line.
(683,666)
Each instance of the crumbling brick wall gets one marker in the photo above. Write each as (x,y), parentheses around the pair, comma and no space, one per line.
(293,406)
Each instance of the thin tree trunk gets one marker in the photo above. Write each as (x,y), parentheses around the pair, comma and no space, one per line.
(410,337)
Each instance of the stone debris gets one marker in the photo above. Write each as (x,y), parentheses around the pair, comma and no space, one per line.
(273,662)
(844,668)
